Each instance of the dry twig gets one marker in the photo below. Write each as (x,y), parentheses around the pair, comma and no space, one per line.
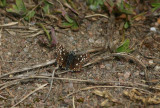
(29,68)
(51,84)
(41,87)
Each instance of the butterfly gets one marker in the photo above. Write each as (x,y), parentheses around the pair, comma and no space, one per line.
(69,60)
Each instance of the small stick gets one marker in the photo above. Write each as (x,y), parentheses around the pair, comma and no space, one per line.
(51,84)
(41,87)
(30,68)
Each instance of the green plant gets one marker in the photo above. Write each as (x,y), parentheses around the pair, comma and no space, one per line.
(155,6)
(124,47)
(20,9)
(95,4)
(29,15)
(119,7)
(125,7)
(68,23)
(46,7)
(2,3)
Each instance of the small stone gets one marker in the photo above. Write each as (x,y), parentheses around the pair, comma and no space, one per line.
(127,75)
(157,68)
(150,61)
(26,49)
(108,66)
(9,53)
(141,73)
(153,29)
(102,66)
(91,40)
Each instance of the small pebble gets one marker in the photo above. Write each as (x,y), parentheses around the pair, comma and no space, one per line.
(157,68)
(9,53)
(91,40)
(153,29)
(141,73)
(26,49)
(150,61)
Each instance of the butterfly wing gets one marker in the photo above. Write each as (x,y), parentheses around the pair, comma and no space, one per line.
(78,62)
(61,55)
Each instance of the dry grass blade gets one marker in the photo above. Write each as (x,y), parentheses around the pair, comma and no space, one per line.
(109,98)
(139,96)
(23,27)
(3,97)
(0,37)
(29,68)
(95,15)
(9,24)
(73,101)
(41,87)
(36,34)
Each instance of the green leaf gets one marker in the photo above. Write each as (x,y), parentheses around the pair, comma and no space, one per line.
(13,9)
(125,8)
(95,4)
(68,18)
(66,25)
(156,6)
(126,25)
(46,31)
(75,27)
(2,3)
(29,15)
(19,8)
(46,7)
(124,47)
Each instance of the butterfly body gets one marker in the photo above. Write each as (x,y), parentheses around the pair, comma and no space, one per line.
(69,60)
